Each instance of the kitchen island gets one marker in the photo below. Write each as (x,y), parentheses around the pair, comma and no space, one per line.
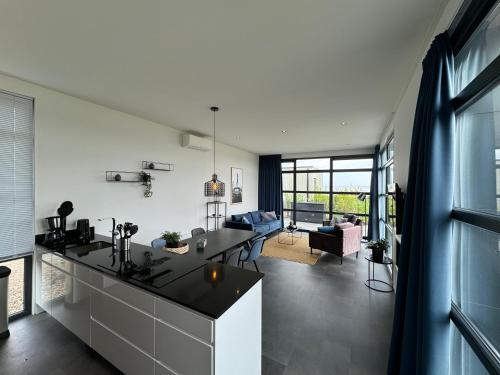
(179,315)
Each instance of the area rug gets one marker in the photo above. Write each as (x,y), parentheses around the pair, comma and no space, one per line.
(298,252)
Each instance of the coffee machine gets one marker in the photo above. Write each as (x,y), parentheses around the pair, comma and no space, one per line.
(55,234)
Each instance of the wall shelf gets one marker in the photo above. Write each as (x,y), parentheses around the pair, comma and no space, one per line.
(124,176)
(157,166)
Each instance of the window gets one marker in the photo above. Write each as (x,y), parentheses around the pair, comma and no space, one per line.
(316,189)
(476,228)
(16,197)
(387,202)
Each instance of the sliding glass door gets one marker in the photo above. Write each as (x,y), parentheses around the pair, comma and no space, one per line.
(317,189)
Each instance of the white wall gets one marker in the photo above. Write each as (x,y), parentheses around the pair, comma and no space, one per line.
(402,121)
(77,141)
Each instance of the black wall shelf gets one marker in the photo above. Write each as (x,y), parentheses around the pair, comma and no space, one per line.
(157,166)
(124,176)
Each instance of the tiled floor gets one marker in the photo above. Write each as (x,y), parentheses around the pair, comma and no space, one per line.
(317,319)
(322,319)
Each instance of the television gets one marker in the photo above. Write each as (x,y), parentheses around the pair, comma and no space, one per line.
(395,206)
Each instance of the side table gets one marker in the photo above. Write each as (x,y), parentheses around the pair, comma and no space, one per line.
(377,284)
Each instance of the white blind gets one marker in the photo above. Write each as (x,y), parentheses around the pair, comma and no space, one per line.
(16,176)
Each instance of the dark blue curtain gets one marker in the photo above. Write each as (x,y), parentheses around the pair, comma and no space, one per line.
(421,328)
(373,214)
(270,196)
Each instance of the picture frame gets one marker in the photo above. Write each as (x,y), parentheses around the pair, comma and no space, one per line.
(236,185)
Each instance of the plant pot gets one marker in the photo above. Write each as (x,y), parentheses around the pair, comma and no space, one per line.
(173,244)
(378,255)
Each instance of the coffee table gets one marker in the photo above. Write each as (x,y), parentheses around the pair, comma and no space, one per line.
(289,231)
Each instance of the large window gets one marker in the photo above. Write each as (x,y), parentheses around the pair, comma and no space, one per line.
(476,228)
(317,189)
(387,202)
(16,197)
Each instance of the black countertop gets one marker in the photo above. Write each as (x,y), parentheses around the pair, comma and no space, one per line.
(207,287)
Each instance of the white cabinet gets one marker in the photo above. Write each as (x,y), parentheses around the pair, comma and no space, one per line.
(128,294)
(140,333)
(44,286)
(188,321)
(123,355)
(71,304)
(126,321)
(182,353)
(43,278)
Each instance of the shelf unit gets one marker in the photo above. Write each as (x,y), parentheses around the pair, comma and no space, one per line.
(216,210)
(157,166)
(124,176)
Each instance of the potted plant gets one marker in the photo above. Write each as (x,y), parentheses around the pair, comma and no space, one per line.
(173,239)
(378,247)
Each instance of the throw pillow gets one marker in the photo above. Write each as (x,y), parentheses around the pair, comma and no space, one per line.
(327,229)
(244,220)
(351,218)
(338,219)
(341,226)
(268,216)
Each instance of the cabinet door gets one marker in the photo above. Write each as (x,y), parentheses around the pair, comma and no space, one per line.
(43,279)
(71,304)
(126,321)
(120,353)
(182,353)
(44,285)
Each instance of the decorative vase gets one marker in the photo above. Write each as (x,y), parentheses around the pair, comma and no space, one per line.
(179,248)
(378,255)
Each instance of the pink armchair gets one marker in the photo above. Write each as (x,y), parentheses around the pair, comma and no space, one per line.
(343,242)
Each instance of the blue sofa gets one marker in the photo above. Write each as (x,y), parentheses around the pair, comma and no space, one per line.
(256,223)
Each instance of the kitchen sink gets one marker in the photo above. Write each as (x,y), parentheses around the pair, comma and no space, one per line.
(82,250)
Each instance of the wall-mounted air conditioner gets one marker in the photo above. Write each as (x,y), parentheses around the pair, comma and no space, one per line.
(196,143)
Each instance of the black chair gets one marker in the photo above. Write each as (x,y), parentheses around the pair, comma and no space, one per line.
(197,231)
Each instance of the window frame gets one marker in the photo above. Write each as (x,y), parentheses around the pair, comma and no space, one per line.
(469,18)
(330,211)
(27,285)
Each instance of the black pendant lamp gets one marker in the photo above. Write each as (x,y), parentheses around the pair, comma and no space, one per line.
(214,188)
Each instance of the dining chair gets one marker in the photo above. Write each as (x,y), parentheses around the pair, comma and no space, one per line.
(197,231)
(158,243)
(251,253)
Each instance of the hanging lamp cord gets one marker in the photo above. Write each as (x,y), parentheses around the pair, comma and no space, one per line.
(214,142)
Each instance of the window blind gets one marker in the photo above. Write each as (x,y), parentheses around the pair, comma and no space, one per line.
(16,176)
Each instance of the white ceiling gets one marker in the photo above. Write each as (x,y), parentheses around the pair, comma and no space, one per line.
(303,66)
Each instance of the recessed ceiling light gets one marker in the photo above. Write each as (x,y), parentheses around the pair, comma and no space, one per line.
(237,137)
(343,123)
(283,131)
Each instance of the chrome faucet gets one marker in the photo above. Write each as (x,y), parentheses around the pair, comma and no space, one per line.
(113,232)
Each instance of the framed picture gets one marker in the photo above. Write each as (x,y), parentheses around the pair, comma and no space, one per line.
(236,185)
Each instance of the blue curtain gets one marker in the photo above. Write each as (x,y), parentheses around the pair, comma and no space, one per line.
(270,196)
(421,327)
(373,214)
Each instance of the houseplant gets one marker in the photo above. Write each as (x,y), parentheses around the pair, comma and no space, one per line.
(378,248)
(173,239)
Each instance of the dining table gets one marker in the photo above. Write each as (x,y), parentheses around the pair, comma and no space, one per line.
(219,243)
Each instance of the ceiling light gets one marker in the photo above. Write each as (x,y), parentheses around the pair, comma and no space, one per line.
(343,123)
(237,137)
(283,131)
(214,187)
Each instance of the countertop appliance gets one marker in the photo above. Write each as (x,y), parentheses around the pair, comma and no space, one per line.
(83,230)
